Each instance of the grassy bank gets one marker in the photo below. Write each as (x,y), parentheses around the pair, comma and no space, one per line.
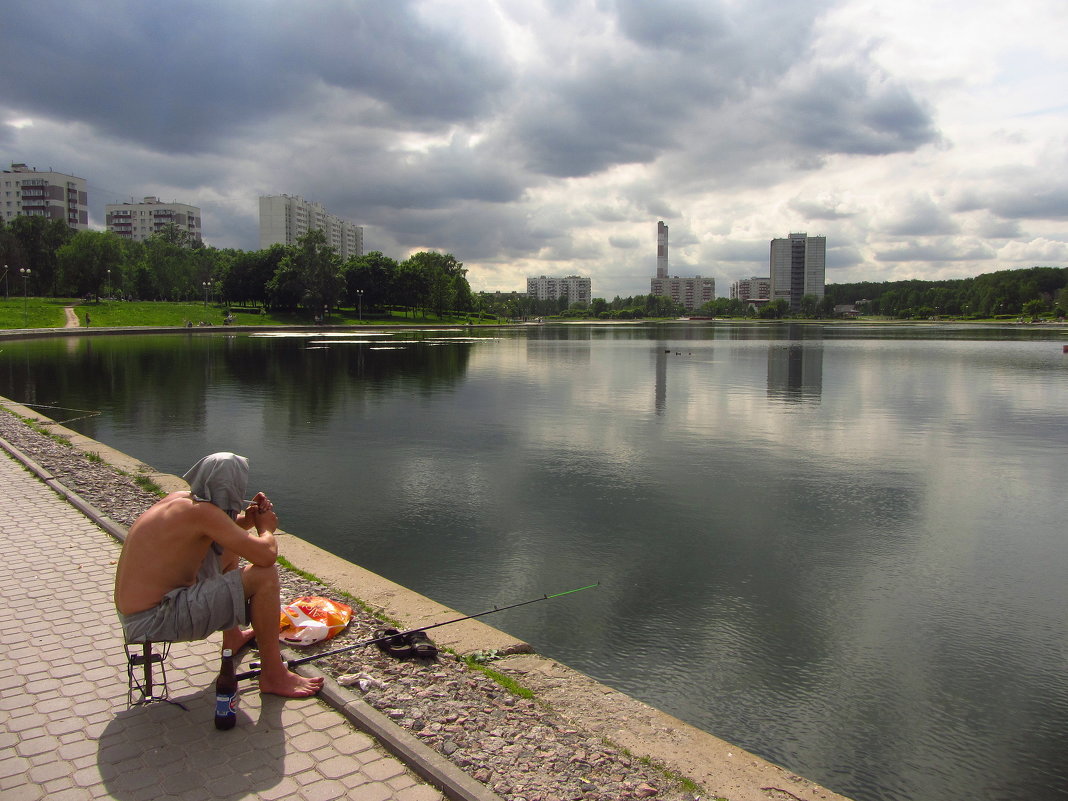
(33,312)
(49,313)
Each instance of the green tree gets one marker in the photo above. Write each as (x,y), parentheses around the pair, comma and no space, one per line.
(248,273)
(35,241)
(87,262)
(1033,308)
(375,276)
(441,281)
(308,276)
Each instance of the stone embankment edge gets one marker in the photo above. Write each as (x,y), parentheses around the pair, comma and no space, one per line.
(724,770)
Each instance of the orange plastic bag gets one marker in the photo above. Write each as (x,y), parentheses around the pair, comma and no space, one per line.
(312,619)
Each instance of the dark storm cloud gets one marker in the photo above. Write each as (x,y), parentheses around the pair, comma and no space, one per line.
(820,209)
(920,216)
(627,103)
(1044,202)
(844,110)
(947,249)
(180,75)
(612,115)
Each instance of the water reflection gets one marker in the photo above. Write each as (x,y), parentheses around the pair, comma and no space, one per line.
(795,373)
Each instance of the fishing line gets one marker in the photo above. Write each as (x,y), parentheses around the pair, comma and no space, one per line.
(86,412)
(292,663)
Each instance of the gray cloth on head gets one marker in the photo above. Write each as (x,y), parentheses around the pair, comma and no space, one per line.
(220,478)
(216,602)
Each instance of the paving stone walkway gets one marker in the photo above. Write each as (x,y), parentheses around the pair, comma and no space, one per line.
(65,729)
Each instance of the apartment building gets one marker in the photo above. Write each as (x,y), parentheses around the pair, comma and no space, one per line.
(751,289)
(285,218)
(138,221)
(575,288)
(692,292)
(28,192)
(798,268)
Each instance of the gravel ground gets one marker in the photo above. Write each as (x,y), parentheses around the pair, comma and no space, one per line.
(518,747)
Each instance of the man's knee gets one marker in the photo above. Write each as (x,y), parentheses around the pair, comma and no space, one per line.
(258,579)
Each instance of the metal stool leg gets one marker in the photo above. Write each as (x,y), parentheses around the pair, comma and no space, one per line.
(140,658)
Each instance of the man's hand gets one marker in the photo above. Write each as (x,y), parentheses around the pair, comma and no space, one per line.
(266,521)
(262,503)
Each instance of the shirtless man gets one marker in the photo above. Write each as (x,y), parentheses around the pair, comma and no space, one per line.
(177,578)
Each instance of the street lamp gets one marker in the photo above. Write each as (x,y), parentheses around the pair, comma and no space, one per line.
(109,282)
(359,296)
(206,285)
(25,273)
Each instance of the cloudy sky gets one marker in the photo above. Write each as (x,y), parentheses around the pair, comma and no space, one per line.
(548,137)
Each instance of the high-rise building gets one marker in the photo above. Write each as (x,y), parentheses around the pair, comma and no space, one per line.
(27,192)
(691,292)
(751,289)
(284,218)
(661,250)
(138,221)
(575,288)
(798,268)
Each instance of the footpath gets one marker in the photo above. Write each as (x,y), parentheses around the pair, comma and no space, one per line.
(65,730)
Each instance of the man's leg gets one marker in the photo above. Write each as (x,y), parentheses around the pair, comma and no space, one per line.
(261,588)
(234,638)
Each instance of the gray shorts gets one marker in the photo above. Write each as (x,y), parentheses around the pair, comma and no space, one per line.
(216,602)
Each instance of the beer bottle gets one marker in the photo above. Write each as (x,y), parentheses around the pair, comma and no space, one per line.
(226,693)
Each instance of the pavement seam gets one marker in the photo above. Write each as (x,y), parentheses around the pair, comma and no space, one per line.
(427,763)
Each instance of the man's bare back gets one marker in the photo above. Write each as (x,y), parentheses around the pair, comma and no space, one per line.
(164,549)
(166,546)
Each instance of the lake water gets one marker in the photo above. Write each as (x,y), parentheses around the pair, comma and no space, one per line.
(843,548)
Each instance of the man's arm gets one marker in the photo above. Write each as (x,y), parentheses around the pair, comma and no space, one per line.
(260,549)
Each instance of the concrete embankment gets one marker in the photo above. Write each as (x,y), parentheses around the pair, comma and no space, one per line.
(722,769)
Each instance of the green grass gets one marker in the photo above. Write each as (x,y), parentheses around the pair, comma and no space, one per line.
(48,313)
(33,312)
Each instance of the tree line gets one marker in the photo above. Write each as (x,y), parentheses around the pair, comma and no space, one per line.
(310,276)
(171,265)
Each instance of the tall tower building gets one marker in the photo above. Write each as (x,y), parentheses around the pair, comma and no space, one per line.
(284,218)
(798,268)
(691,292)
(661,250)
(26,192)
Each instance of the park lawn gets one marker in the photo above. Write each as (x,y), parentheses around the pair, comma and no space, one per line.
(48,313)
(33,312)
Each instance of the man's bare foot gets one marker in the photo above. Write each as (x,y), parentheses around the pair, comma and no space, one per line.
(289,685)
(235,639)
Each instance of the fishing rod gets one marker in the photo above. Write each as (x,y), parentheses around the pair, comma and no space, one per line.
(292,663)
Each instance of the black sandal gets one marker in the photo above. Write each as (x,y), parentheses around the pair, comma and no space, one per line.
(392,642)
(422,646)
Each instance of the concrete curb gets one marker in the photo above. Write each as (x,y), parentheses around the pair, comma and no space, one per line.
(420,758)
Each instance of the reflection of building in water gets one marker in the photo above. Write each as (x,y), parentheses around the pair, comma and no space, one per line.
(660,402)
(563,344)
(795,372)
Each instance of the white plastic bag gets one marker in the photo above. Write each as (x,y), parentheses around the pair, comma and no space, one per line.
(303,629)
